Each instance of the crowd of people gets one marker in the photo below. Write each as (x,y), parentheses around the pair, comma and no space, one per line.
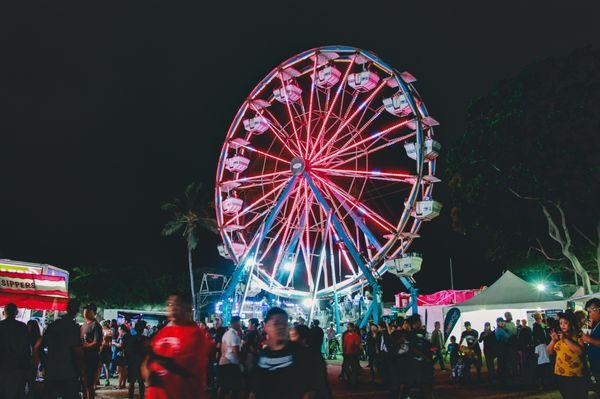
(276,357)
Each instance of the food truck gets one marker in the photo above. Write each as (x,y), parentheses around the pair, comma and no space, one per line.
(34,287)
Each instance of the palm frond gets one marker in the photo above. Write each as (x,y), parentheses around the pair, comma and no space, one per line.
(173,226)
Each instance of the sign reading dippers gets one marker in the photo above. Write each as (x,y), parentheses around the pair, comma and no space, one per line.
(33,291)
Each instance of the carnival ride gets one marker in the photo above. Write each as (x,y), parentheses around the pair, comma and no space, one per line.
(324,179)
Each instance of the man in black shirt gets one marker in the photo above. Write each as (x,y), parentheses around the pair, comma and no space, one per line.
(473,355)
(316,337)
(91,335)
(15,355)
(283,369)
(64,359)
(488,338)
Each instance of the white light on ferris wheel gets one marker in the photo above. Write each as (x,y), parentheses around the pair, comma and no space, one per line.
(288,266)
(307,302)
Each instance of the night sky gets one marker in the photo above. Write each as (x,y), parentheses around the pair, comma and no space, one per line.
(107,111)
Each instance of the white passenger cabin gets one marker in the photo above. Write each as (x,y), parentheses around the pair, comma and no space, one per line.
(327,77)
(407,265)
(238,249)
(291,94)
(256,125)
(237,164)
(363,81)
(432,149)
(232,205)
(427,209)
(397,105)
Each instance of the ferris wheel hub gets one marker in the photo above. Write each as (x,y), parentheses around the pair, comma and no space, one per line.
(297,165)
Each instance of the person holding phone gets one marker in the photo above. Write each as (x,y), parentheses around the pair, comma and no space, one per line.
(570,358)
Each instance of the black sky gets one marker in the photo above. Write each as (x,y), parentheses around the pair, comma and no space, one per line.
(108,110)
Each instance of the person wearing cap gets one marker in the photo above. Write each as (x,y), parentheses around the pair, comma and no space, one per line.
(230,374)
(471,336)
(91,336)
(592,340)
(502,337)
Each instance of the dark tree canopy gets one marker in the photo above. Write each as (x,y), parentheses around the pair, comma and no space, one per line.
(537,134)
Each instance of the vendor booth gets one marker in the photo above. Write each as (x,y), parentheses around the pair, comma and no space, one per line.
(431,306)
(34,288)
(508,294)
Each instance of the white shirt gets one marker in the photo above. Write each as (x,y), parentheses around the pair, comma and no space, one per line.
(542,354)
(230,339)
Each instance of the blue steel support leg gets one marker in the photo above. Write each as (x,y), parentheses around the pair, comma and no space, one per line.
(336,312)
(240,271)
(349,245)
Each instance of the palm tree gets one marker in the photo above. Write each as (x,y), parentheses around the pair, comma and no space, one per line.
(187,214)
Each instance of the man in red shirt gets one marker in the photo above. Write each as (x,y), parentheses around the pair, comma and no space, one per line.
(351,347)
(176,366)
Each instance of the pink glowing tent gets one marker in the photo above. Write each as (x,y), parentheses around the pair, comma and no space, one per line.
(33,291)
(446,297)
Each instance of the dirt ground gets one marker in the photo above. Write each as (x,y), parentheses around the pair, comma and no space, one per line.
(443,389)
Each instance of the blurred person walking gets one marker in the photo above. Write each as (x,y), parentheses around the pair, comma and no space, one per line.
(15,355)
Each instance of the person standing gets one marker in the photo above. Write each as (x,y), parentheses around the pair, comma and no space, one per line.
(91,335)
(351,348)
(592,340)
(570,358)
(473,353)
(176,365)
(284,369)
(437,342)
(488,338)
(372,348)
(251,347)
(230,374)
(120,361)
(15,355)
(135,349)
(502,337)
(316,337)
(332,343)
(538,331)
(64,360)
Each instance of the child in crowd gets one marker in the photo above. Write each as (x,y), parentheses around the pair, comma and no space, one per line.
(542,371)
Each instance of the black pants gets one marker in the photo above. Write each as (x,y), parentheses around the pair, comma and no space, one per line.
(439,357)
(12,384)
(350,368)
(489,364)
(572,387)
(66,389)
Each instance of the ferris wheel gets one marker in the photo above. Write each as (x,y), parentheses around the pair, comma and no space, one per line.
(325,177)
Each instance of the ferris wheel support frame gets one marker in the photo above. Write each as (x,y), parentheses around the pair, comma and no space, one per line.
(239,272)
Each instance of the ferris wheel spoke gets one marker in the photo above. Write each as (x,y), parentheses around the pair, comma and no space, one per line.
(263,153)
(402,177)
(289,111)
(330,107)
(256,177)
(361,107)
(278,131)
(354,133)
(370,150)
(362,207)
(254,204)
(310,101)
(372,137)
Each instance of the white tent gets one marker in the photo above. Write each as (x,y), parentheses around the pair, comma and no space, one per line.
(508,294)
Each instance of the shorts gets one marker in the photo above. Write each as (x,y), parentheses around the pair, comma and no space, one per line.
(230,377)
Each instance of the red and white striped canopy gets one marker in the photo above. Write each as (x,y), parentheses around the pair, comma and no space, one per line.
(33,291)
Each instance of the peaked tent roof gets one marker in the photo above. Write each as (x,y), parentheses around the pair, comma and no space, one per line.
(510,289)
